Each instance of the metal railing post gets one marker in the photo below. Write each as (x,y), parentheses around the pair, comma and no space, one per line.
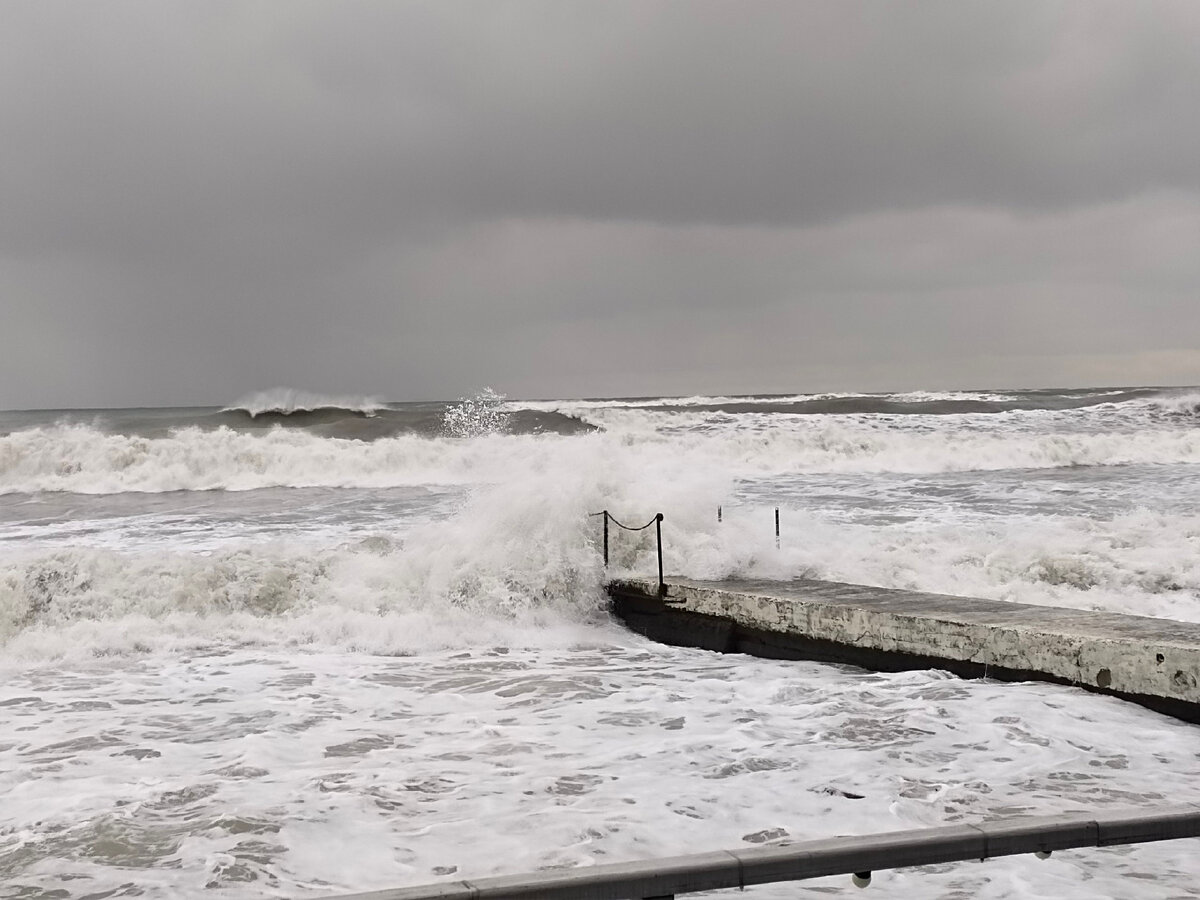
(662,587)
(656,522)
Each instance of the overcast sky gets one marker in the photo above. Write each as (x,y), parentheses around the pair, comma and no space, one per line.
(414,200)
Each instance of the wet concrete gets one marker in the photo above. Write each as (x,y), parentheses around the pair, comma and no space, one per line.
(1155,662)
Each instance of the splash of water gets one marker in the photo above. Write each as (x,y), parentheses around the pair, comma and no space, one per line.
(484,413)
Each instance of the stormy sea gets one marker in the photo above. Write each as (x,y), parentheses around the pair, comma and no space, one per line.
(304,645)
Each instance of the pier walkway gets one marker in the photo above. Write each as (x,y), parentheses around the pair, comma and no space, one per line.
(1154,662)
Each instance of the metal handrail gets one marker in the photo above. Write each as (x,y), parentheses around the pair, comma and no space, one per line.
(860,855)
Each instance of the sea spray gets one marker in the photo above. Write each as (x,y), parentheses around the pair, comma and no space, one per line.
(484,413)
(255,772)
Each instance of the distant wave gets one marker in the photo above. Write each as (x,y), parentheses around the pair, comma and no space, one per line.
(288,401)
(914,403)
(369,419)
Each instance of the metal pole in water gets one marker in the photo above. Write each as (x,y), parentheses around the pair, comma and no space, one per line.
(662,587)
(606,539)
(777,528)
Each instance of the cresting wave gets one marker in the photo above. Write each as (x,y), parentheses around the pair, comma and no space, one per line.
(373,598)
(520,574)
(1185,405)
(288,401)
(84,459)
(508,570)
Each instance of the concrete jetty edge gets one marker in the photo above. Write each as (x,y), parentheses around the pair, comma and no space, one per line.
(1152,662)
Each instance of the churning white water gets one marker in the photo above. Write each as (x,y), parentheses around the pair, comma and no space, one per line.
(245,661)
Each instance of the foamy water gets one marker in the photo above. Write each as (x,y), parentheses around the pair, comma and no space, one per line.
(307,772)
(274,662)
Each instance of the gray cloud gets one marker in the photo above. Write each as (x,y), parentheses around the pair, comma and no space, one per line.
(414,199)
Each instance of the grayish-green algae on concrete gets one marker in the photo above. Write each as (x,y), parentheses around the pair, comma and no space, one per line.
(1155,662)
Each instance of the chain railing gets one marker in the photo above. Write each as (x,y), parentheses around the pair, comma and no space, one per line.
(656,522)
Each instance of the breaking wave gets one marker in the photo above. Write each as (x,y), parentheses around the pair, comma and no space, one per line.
(373,597)
(288,402)
(514,569)
(1184,405)
(83,459)
(504,573)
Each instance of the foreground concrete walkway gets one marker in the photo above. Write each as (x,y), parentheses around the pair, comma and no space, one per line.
(1155,662)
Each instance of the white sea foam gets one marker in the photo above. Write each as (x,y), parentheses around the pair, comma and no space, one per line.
(252,774)
(519,565)
(501,573)
(83,459)
(1140,563)
(1183,403)
(573,407)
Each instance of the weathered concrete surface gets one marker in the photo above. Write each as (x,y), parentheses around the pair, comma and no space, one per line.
(1155,662)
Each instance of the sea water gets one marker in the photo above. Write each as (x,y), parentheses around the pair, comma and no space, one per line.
(306,645)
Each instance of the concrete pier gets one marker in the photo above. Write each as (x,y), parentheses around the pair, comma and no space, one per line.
(1154,662)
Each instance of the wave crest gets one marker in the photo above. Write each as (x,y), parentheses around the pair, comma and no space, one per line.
(1181,405)
(373,594)
(289,401)
(83,459)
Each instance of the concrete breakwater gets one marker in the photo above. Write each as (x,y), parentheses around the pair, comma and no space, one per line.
(1154,662)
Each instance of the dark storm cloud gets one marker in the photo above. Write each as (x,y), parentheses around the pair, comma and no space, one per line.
(416,198)
(350,117)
